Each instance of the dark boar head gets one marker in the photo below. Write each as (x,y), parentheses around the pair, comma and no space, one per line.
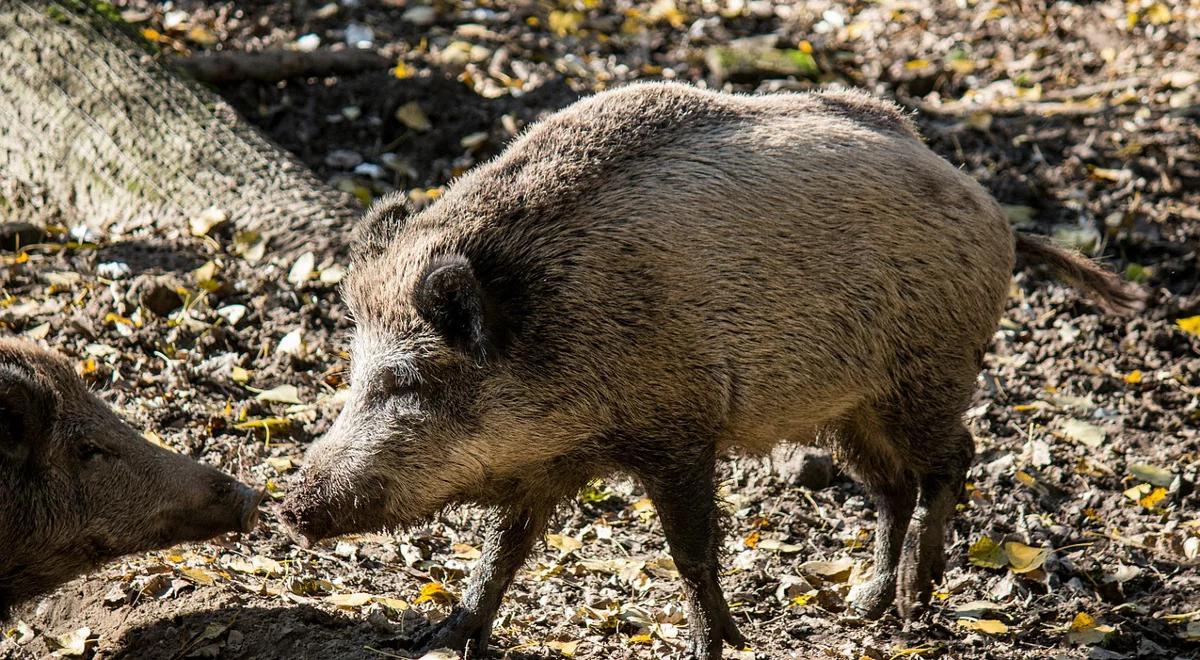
(79,487)
(440,409)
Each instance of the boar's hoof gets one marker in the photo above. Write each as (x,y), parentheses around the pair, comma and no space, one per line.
(708,645)
(871,599)
(464,630)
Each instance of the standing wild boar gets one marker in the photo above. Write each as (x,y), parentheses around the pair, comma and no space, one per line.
(648,279)
(79,487)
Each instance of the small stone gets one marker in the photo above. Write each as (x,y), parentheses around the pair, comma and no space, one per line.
(343,159)
(359,36)
(308,43)
(421,15)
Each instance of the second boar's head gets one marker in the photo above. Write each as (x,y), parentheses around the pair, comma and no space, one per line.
(79,487)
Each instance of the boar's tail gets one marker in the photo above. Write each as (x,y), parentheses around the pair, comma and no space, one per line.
(1112,293)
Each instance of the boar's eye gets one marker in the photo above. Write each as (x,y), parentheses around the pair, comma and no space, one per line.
(90,451)
(391,383)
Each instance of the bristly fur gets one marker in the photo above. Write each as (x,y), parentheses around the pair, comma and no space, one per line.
(675,273)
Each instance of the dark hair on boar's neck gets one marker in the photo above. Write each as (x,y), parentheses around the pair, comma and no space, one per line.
(652,277)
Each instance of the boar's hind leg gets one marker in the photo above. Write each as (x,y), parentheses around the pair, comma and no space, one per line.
(684,493)
(510,537)
(894,491)
(924,559)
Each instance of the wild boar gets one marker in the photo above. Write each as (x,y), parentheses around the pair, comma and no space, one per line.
(78,487)
(651,278)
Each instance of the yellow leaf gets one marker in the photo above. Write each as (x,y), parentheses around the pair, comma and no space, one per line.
(565,544)
(1159,14)
(402,71)
(643,638)
(207,272)
(349,601)
(1190,325)
(1150,501)
(802,600)
(434,591)
(751,541)
(563,23)
(989,626)
(1023,558)
(916,64)
(565,649)
(198,576)
(272,424)
(987,553)
(240,375)
(1086,630)
(411,115)
(1134,377)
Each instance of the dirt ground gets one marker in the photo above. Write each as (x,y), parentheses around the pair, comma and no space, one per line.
(1078,535)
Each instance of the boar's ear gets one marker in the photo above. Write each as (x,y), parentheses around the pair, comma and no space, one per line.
(379,225)
(451,299)
(25,410)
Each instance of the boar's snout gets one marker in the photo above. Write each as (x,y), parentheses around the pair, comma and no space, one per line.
(249,500)
(227,506)
(314,511)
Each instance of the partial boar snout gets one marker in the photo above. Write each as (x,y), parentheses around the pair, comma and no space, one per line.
(250,499)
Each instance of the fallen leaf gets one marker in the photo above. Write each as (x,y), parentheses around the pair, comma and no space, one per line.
(207,220)
(411,115)
(280,464)
(1023,558)
(1155,476)
(72,644)
(565,649)
(989,626)
(775,545)
(1152,499)
(1134,377)
(349,601)
(565,544)
(1190,325)
(465,551)
(751,540)
(1083,432)
(1086,630)
(293,344)
(987,553)
(830,571)
(198,576)
(281,394)
(434,591)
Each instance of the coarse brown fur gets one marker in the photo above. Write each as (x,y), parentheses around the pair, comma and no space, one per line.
(650,278)
(79,487)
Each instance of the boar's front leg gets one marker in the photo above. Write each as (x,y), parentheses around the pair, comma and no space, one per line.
(510,536)
(684,493)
